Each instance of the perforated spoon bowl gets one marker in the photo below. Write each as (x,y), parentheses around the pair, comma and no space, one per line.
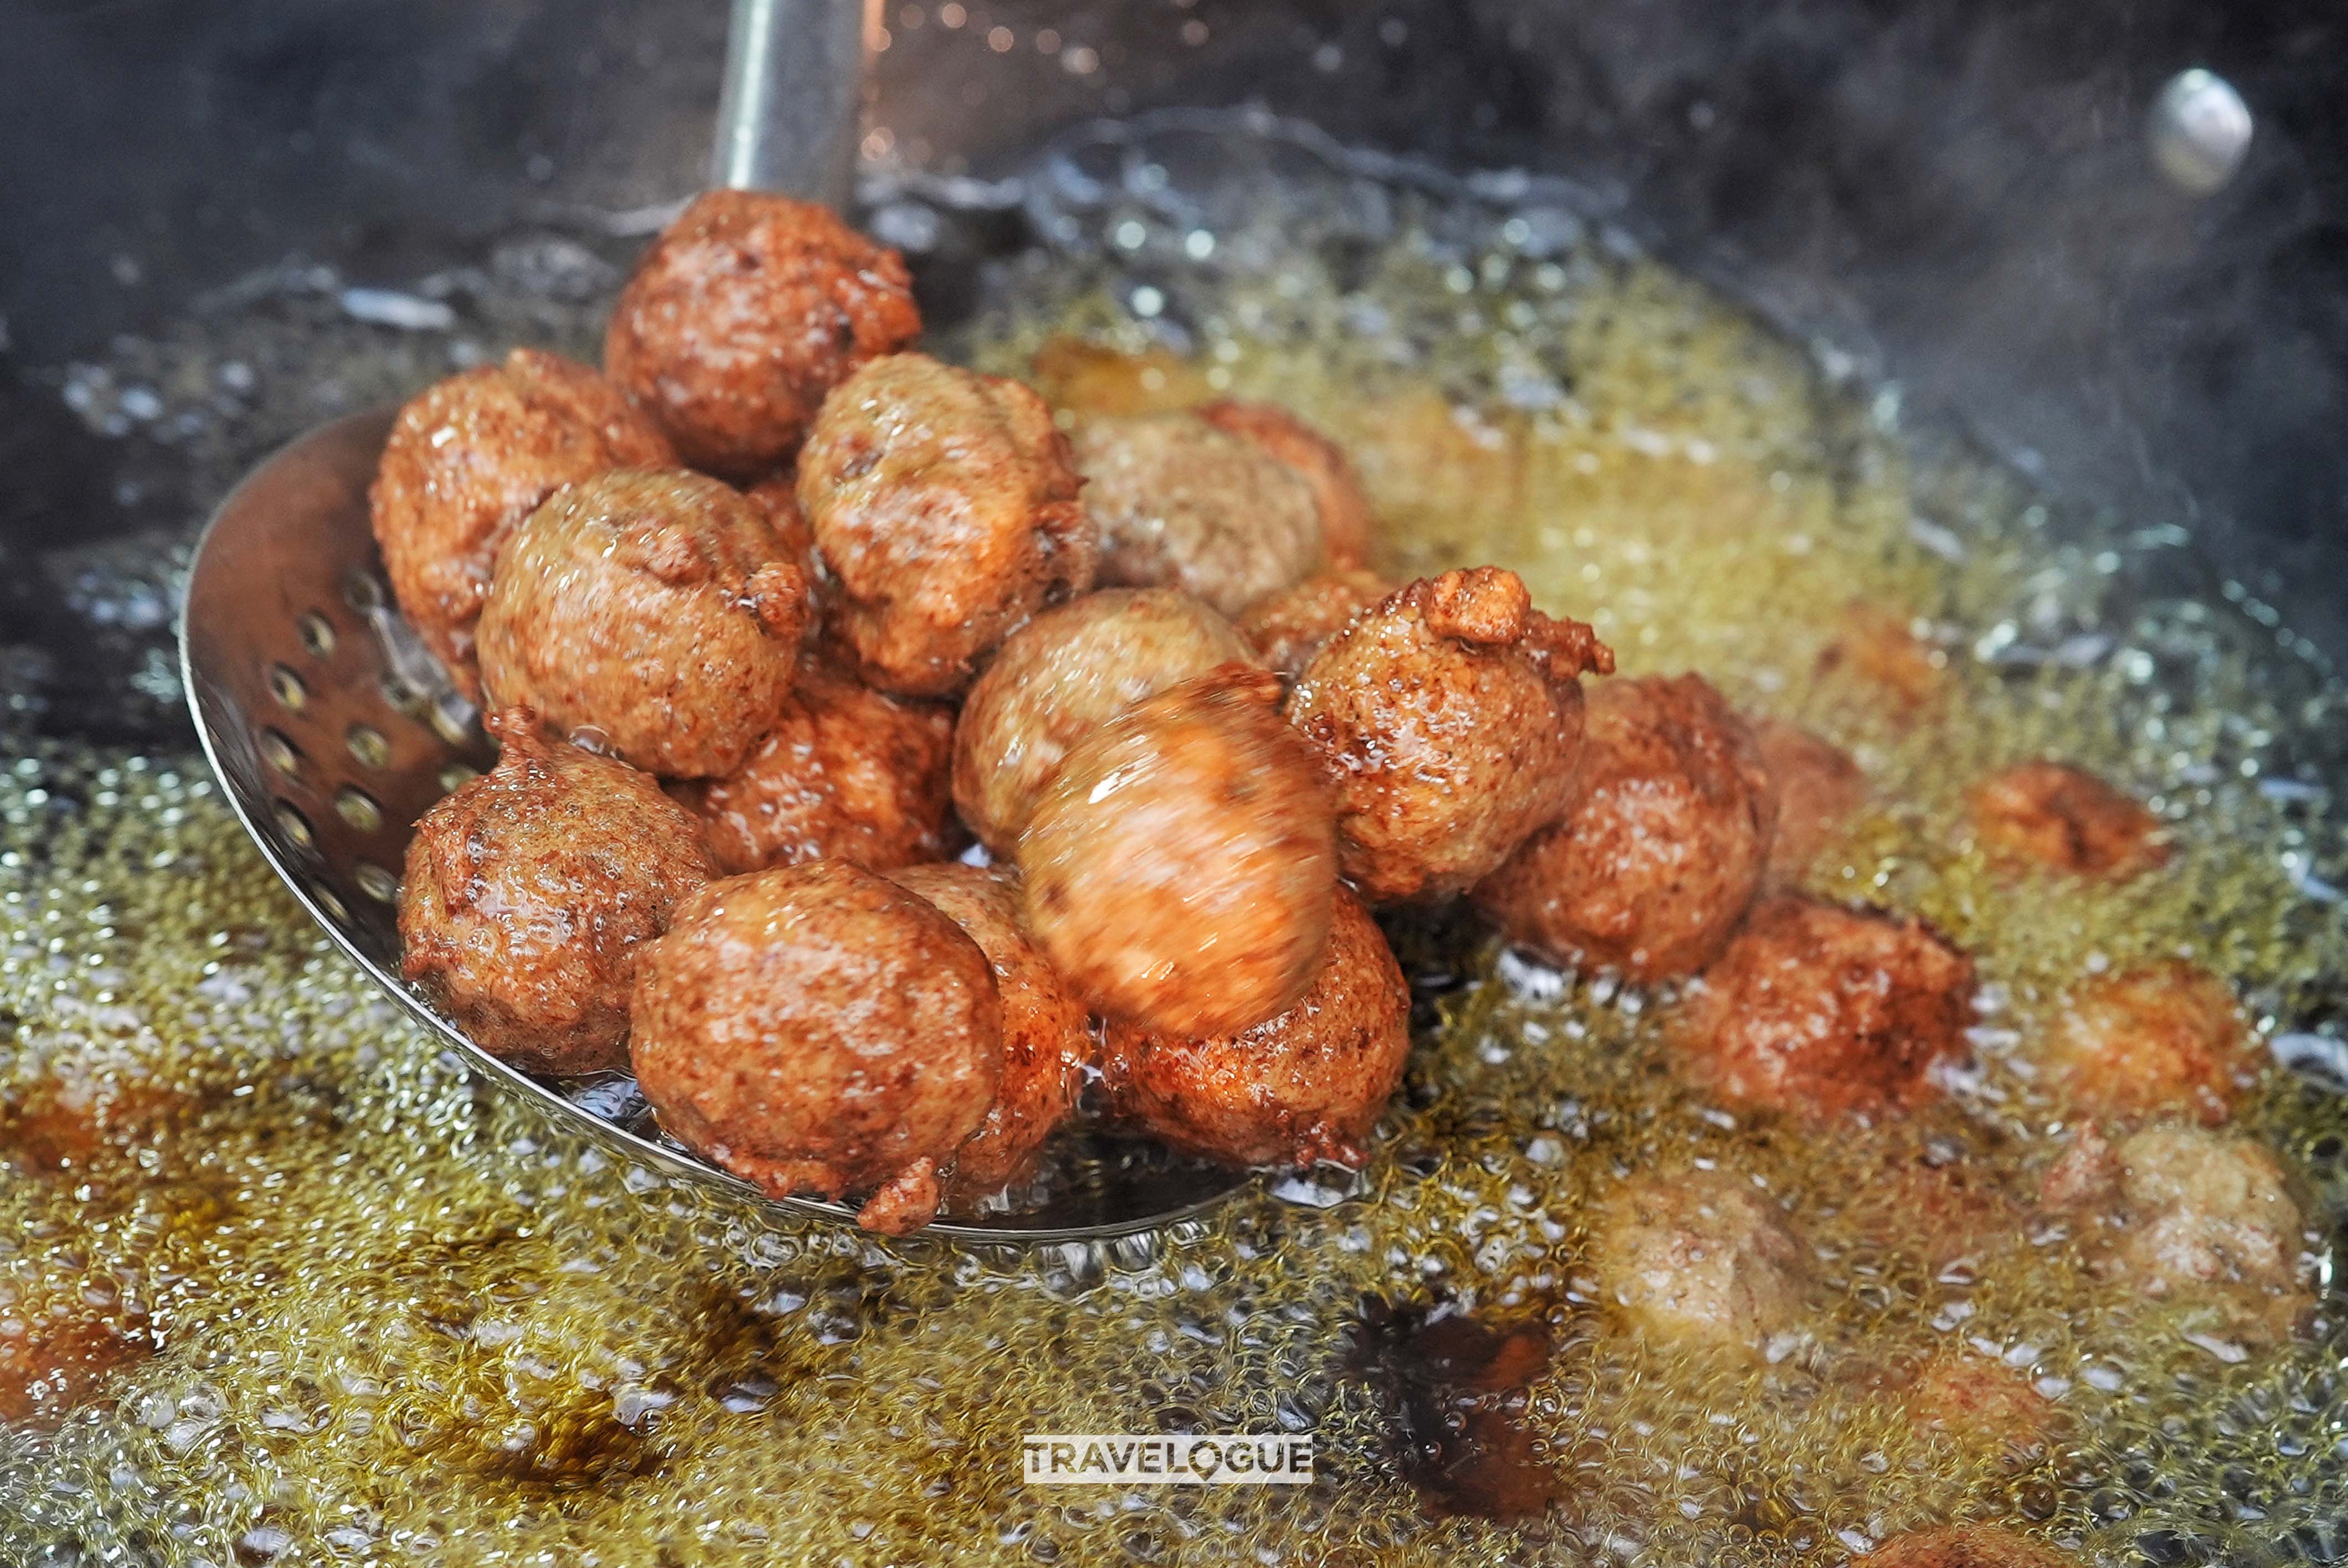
(333,730)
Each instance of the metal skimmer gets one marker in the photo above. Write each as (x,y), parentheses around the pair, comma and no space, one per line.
(333,730)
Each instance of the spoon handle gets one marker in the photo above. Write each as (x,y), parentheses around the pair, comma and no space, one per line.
(789,116)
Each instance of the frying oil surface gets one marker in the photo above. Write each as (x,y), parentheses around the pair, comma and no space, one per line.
(356,1309)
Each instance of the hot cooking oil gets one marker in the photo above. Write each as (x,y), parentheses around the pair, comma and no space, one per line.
(317,1295)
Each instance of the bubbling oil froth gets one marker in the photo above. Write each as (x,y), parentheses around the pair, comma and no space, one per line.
(398,1318)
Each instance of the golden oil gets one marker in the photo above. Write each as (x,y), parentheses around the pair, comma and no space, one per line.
(398,1318)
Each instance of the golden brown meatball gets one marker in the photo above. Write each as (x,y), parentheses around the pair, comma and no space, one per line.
(2166,1036)
(1306,1084)
(1288,627)
(1059,675)
(1980,1403)
(1181,504)
(653,608)
(1348,529)
(60,1356)
(1942,1212)
(1703,1258)
(847,772)
(1965,1546)
(818,1029)
(743,315)
(470,457)
(1818,790)
(1882,652)
(778,495)
(1047,1037)
(530,892)
(946,511)
(2066,820)
(1820,1012)
(1662,846)
(91,1101)
(1181,867)
(2207,1214)
(1449,718)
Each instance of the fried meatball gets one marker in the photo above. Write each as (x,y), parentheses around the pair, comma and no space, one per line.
(654,608)
(818,1029)
(1181,867)
(743,315)
(778,495)
(1288,627)
(1449,718)
(2207,1212)
(946,511)
(1965,1546)
(473,455)
(2166,1036)
(56,1358)
(1063,672)
(1661,847)
(1820,1012)
(1818,789)
(1047,1037)
(1980,1403)
(1700,1258)
(1943,1212)
(91,1101)
(1181,504)
(847,772)
(530,894)
(2066,820)
(1306,1084)
(1882,652)
(1348,529)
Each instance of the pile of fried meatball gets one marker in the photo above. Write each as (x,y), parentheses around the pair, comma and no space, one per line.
(887,764)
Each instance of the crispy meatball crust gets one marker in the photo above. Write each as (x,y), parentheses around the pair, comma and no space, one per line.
(1663,846)
(1288,627)
(530,892)
(1820,1012)
(1056,676)
(2164,1037)
(2065,819)
(1818,789)
(1978,1402)
(1701,1258)
(1306,1084)
(1047,1037)
(1449,718)
(1182,504)
(653,606)
(945,509)
(1182,867)
(1348,528)
(743,315)
(847,772)
(2207,1210)
(1965,1546)
(1880,651)
(818,1029)
(470,457)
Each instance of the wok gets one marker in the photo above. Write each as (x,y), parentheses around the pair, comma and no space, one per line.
(1956,198)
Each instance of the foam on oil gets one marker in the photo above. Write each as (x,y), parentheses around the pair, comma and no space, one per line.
(394,1317)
